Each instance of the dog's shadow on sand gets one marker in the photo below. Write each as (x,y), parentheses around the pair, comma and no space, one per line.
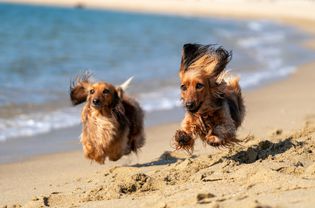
(165,159)
(262,150)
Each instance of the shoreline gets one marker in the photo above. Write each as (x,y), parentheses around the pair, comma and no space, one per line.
(285,105)
(21,149)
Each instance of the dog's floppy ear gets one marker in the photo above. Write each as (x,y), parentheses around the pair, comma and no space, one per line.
(120,90)
(190,53)
(204,57)
(222,57)
(116,97)
(79,88)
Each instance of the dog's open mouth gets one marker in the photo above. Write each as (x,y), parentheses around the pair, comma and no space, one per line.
(195,109)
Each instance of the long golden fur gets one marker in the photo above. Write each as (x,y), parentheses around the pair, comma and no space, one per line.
(112,121)
(214,104)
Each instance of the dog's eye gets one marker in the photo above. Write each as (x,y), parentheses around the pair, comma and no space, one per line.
(183,87)
(92,91)
(106,91)
(199,86)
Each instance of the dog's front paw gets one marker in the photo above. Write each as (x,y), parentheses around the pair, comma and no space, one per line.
(182,138)
(184,141)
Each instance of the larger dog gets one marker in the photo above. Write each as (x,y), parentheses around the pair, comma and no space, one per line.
(112,121)
(214,104)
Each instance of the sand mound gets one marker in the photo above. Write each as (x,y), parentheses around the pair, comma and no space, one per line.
(248,175)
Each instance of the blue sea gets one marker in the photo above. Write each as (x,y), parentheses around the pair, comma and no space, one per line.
(43,48)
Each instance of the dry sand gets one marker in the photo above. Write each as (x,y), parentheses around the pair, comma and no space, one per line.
(273,167)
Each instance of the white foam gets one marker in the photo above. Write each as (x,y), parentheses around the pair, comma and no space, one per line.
(37,123)
(255,26)
(268,55)
(266,38)
(162,99)
(253,79)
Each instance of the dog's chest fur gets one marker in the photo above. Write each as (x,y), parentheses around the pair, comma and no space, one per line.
(101,129)
(203,124)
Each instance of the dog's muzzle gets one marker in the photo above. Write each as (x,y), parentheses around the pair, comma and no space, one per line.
(96,102)
(192,107)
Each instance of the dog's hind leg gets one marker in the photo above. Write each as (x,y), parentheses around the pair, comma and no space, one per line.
(137,141)
(222,135)
(115,152)
(224,132)
(118,147)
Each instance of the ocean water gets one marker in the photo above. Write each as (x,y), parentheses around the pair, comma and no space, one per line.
(43,48)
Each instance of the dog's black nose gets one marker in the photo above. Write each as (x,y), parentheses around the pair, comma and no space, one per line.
(190,105)
(96,102)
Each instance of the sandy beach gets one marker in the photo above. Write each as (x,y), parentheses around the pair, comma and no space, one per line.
(274,166)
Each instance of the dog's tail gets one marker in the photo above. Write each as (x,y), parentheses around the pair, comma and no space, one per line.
(123,87)
(126,84)
(235,100)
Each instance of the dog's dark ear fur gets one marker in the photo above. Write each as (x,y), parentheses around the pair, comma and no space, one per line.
(190,53)
(79,88)
(212,59)
(116,97)
(223,57)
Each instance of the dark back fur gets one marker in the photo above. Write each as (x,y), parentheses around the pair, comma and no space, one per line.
(135,117)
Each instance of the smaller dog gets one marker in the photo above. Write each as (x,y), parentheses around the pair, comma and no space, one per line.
(214,104)
(112,121)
